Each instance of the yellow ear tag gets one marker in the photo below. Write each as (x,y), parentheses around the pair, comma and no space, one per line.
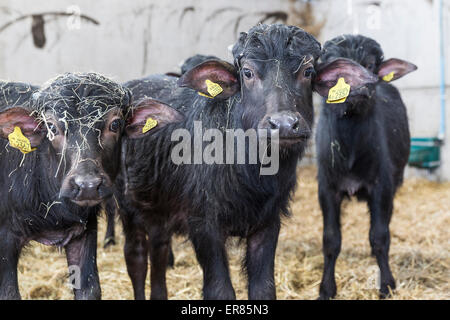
(150,124)
(205,95)
(339,92)
(389,76)
(213,88)
(19,141)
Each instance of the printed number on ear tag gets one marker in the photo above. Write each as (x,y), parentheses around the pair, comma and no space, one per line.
(19,141)
(150,124)
(339,92)
(213,88)
(389,76)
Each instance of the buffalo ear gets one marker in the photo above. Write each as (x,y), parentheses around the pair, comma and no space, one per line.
(148,116)
(20,117)
(353,73)
(394,69)
(215,72)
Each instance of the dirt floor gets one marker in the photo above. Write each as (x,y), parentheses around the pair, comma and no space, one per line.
(419,255)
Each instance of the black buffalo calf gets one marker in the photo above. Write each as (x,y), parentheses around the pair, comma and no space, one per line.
(269,87)
(362,145)
(111,205)
(59,156)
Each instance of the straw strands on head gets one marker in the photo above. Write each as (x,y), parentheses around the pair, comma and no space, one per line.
(79,102)
(80,99)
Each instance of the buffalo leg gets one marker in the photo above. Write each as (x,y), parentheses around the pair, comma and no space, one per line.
(110,209)
(330,203)
(211,254)
(260,262)
(159,245)
(9,257)
(81,254)
(381,205)
(136,254)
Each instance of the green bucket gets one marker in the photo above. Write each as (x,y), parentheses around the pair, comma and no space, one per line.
(425,153)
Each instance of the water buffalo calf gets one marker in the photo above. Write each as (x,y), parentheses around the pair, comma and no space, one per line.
(68,136)
(362,146)
(269,87)
(111,205)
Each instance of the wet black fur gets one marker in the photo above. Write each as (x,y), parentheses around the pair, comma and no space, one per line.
(362,149)
(211,202)
(366,51)
(29,184)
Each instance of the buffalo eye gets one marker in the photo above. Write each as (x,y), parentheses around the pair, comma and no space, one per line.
(309,73)
(115,125)
(248,74)
(53,129)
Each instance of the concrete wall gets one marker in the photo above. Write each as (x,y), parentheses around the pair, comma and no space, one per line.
(134,38)
(408,30)
(138,37)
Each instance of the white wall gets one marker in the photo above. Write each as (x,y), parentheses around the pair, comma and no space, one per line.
(134,38)
(408,30)
(140,37)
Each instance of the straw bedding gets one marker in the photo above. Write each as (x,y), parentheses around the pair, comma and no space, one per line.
(419,254)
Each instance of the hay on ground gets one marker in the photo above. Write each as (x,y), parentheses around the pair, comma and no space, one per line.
(419,254)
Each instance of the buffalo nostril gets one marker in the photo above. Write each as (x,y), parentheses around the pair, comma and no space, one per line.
(296,125)
(273,124)
(87,187)
(74,185)
(101,183)
(291,125)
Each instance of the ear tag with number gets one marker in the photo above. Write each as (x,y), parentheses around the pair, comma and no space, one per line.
(389,76)
(339,93)
(213,89)
(19,141)
(149,124)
